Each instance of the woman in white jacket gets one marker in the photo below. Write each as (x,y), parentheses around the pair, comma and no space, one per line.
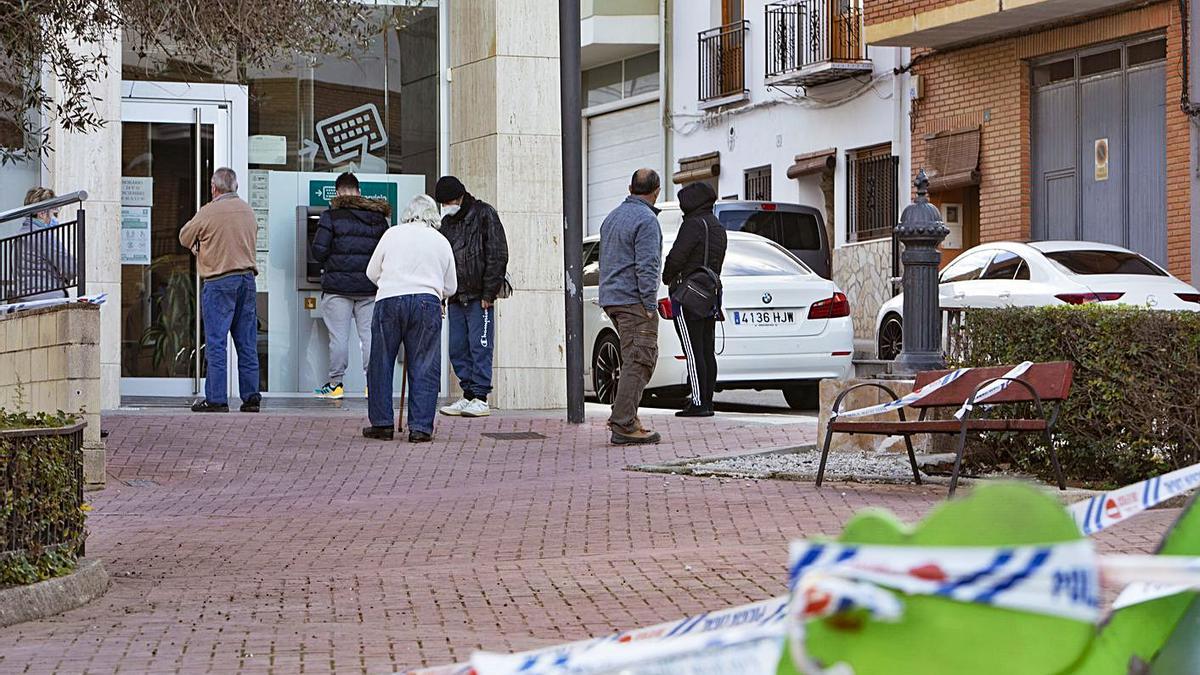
(413,266)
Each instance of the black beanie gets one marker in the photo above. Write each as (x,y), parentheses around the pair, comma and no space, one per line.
(448,189)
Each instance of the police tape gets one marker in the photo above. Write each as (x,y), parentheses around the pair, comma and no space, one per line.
(907,399)
(1099,512)
(11,308)
(994,387)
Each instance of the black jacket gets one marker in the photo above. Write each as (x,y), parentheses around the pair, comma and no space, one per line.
(687,254)
(480,250)
(346,237)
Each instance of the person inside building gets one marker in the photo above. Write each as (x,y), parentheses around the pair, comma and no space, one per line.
(630,261)
(346,236)
(44,266)
(476,234)
(413,266)
(222,237)
(699,249)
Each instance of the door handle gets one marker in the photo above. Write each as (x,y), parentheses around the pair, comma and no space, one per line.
(959,296)
(595,301)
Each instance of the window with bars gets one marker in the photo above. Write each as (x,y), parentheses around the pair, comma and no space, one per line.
(872,193)
(758,184)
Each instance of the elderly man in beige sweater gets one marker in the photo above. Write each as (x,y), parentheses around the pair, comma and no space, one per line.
(222,237)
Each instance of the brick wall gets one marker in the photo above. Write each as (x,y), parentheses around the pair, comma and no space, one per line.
(50,361)
(890,10)
(989,85)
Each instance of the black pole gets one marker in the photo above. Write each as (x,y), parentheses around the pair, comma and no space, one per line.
(572,157)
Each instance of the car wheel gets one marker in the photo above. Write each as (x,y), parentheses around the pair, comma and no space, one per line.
(806,396)
(606,368)
(891,338)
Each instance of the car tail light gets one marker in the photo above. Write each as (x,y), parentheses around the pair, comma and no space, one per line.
(664,309)
(1086,298)
(830,308)
(1189,297)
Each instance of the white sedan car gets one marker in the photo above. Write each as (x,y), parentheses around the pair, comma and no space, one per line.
(785,327)
(1010,274)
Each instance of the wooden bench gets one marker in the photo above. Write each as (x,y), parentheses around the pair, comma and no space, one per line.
(1042,383)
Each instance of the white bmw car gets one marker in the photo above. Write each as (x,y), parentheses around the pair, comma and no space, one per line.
(1010,274)
(785,327)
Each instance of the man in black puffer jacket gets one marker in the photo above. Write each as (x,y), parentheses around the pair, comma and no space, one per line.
(697,334)
(346,237)
(481,257)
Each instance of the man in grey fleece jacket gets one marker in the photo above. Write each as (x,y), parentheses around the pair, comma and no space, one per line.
(630,267)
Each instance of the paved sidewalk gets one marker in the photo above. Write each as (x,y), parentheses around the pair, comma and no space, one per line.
(285,542)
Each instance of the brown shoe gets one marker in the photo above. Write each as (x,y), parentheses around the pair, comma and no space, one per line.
(639,437)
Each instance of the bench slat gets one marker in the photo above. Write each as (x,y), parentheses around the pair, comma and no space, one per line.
(1052,382)
(896,428)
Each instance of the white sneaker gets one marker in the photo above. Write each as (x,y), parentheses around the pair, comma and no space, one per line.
(456,410)
(476,408)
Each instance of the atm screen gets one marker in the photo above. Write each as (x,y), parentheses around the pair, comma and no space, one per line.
(312,271)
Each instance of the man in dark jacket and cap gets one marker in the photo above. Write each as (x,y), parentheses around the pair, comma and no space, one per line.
(346,237)
(700,243)
(481,257)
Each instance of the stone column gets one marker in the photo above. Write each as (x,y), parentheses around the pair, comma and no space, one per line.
(506,146)
(92,162)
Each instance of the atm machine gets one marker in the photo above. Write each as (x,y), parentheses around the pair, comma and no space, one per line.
(298,343)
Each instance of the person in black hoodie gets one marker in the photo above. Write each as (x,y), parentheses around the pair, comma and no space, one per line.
(700,242)
(481,257)
(345,239)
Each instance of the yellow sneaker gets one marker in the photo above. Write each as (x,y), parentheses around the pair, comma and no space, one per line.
(330,390)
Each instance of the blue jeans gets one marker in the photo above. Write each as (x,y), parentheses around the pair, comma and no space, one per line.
(227,305)
(472,339)
(414,321)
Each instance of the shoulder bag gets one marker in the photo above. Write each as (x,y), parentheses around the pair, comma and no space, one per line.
(700,291)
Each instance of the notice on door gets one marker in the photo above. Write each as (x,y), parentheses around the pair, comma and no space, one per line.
(1101,159)
(137,191)
(135,235)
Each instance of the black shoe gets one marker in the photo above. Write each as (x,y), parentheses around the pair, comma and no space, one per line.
(419,437)
(252,405)
(206,407)
(695,411)
(379,433)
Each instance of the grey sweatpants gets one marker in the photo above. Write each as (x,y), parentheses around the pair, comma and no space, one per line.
(339,311)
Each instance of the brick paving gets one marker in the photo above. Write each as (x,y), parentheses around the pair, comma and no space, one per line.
(285,543)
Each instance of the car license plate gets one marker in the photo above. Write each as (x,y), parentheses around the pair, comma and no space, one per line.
(769,317)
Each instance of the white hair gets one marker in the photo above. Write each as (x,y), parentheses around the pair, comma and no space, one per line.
(422,209)
(224,180)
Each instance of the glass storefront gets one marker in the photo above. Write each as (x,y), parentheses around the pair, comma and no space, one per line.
(300,123)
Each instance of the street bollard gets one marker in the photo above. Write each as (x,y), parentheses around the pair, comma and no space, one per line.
(920,231)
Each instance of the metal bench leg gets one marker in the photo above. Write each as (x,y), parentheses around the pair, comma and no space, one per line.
(1062,485)
(912,459)
(825,452)
(958,457)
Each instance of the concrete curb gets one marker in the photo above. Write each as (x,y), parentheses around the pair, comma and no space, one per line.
(53,596)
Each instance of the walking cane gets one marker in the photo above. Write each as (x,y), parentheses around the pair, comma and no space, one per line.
(403,391)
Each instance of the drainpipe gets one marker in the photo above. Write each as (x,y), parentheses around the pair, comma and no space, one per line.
(665,59)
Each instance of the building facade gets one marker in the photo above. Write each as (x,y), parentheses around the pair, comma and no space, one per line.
(1054,119)
(786,102)
(468,87)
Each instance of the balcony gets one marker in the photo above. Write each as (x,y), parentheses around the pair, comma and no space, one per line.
(611,30)
(814,42)
(723,65)
(948,23)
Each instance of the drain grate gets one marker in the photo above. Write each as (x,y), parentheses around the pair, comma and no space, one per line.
(515,436)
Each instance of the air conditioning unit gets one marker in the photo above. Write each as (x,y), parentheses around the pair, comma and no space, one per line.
(953,217)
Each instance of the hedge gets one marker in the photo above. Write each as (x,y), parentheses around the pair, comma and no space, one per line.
(41,518)
(1134,409)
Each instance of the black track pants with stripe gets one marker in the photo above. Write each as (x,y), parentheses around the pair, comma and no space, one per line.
(698,337)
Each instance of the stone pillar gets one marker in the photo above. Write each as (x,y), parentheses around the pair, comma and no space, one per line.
(506,146)
(92,162)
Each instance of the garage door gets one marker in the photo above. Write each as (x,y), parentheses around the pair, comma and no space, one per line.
(1099,147)
(619,143)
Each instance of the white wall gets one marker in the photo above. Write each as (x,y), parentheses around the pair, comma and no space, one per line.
(772,127)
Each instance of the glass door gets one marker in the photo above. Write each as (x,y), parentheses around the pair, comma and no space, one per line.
(170,150)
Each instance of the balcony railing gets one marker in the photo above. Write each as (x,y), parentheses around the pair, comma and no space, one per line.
(43,260)
(813,42)
(723,64)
